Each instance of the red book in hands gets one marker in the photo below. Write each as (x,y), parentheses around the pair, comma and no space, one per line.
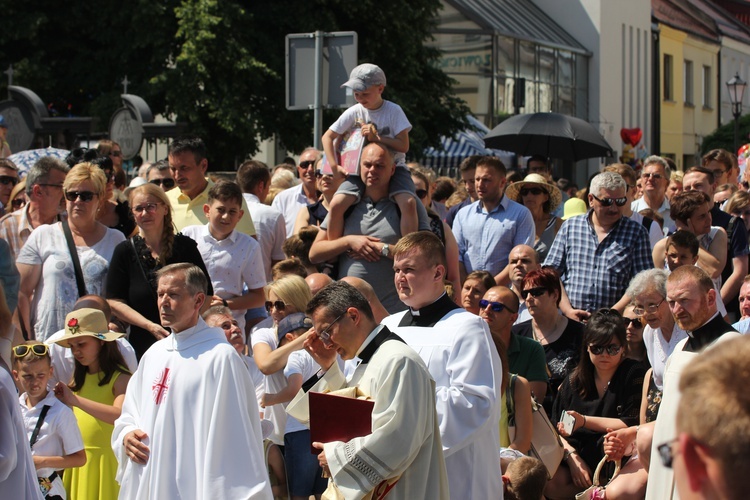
(338,418)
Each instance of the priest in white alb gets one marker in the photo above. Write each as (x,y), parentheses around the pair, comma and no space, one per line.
(403,456)
(459,352)
(189,426)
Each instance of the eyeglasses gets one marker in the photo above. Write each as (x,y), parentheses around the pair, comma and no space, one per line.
(636,322)
(325,335)
(607,202)
(115,153)
(320,175)
(21,351)
(536,191)
(651,308)
(421,193)
(148,207)
(495,306)
(167,182)
(611,349)
(18,203)
(306,164)
(8,179)
(278,304)
(666,452)
(534,292)
(84,196)
(652,175)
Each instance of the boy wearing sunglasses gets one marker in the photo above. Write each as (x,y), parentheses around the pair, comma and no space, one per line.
(51,427)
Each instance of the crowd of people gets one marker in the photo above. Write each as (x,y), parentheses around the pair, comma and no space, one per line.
(172,339)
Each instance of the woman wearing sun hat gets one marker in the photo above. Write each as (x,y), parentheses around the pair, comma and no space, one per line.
(541,198)
(96,395)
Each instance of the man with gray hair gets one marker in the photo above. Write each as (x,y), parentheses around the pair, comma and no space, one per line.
(44,190)
(290,201)
(655,176)
(597,254)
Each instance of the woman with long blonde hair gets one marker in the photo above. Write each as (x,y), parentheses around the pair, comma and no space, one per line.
(131,281)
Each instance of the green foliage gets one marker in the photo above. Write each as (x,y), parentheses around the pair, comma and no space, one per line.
(723,137)
(219,64)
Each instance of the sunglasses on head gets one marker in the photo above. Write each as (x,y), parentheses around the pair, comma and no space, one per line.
(607,202)
(21,351)
(84,196)
(167,183)
(421,193)
(494,306)
(534,292)
(611,349)
(8,179)
(278,304)
(306,164)
(636,322)
(532,190)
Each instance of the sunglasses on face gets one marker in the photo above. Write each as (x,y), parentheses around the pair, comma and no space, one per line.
(278,304)
(532,190)
(8,179)
(115,153)
(84,196)
(421,193)
(666,454)
(18,203)
(494,306)
(534,292)
(167,183)
(652,175)
(306,164)
(149,208)
(611,349)
(607,202)
(320,175)
(636,322)
(21,351)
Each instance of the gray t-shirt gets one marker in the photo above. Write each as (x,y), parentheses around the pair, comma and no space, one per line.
(380,220)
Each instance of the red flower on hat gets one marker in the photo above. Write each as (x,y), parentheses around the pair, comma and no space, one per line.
(73,325)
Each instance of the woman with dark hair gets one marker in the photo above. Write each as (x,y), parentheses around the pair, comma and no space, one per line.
(541,198)
(131,280)
(603,392)
(560,337)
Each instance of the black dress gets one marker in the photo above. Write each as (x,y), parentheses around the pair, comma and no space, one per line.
(622,400)
(126,282)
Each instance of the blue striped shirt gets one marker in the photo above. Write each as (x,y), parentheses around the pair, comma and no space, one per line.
(595,274)
(486,238)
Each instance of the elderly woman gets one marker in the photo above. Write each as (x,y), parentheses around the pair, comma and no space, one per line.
(287,295)
(131,280)
(48,271)
(648,293)
(560,337)
(541,198)
(475,286)
(602,393)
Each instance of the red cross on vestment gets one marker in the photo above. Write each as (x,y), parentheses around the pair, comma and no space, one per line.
(161,385)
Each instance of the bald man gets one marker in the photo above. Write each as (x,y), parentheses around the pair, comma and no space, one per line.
(316,281)
(366,289)
(521,261)
(525,356)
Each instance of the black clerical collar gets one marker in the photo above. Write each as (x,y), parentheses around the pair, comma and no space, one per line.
(382,336)
(708,333)
(428,315)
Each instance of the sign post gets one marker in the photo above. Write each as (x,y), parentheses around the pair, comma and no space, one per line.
(329,58)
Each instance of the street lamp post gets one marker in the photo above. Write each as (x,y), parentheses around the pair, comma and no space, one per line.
(736,87)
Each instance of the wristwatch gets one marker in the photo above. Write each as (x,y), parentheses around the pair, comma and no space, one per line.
(385,252)
(567,454)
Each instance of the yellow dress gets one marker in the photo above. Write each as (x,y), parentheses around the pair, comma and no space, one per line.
(96,479)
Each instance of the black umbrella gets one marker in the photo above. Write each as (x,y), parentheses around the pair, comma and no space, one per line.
(548,134)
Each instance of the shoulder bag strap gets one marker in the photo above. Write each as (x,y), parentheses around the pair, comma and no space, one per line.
(510,403)
(39,423)
(74,257)
(140,266)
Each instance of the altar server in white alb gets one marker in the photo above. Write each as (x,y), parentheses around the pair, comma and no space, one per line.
(402,459)
(189,427)
(459,352)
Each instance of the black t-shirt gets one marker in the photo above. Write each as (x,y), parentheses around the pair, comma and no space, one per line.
(562,355)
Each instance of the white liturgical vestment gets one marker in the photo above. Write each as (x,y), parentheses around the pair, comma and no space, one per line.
(459,353)
(193,397)
(405,440)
